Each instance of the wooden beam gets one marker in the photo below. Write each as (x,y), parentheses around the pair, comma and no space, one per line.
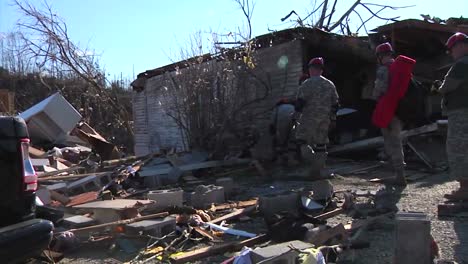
(236,213)
(217,249)
(234,205)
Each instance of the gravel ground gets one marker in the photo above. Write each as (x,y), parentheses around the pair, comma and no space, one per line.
(423,195)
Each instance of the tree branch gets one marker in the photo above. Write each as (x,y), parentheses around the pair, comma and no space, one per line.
(322,16)
(345,15)
(394,19)
(331,14)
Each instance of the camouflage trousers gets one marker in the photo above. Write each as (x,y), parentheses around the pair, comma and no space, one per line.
(313,129)
(393,145)
(457,143)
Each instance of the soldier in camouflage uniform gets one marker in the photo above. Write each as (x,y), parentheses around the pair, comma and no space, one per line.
(455,105)
(391,134)
(321,103)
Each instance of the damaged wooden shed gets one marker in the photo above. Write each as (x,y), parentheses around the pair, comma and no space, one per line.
(280,59)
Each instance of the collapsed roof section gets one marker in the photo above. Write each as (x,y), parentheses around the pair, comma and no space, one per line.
(318,42)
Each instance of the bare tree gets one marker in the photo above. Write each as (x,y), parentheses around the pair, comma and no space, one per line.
(46,40)
(209,98)
(357,11)
(12,56)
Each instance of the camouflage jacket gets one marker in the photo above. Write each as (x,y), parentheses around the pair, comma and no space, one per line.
(455,86)
(381,81)
(321,97)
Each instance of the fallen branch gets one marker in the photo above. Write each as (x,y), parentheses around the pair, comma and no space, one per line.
(345,15)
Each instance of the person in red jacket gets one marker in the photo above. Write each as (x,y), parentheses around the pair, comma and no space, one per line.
(391,134)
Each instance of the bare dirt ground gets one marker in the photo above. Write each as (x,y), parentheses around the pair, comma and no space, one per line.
(423,195)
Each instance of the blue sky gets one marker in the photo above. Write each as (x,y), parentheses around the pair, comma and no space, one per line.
(134,36)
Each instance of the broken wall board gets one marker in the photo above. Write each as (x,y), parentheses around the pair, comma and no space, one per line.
(378,141)
(148,171)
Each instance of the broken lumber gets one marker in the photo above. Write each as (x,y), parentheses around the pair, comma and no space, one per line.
(234,205)
(120,222)
(217,249)
(206,234)
(378,141)
(234,214)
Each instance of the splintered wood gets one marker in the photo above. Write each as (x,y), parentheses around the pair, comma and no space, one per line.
(217,249)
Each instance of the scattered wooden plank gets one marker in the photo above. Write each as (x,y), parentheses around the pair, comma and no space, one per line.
(83,198)
(236,213)
(217,249)
(234,205)
(120,222)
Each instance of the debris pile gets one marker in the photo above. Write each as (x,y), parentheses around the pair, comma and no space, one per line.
(183,207)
